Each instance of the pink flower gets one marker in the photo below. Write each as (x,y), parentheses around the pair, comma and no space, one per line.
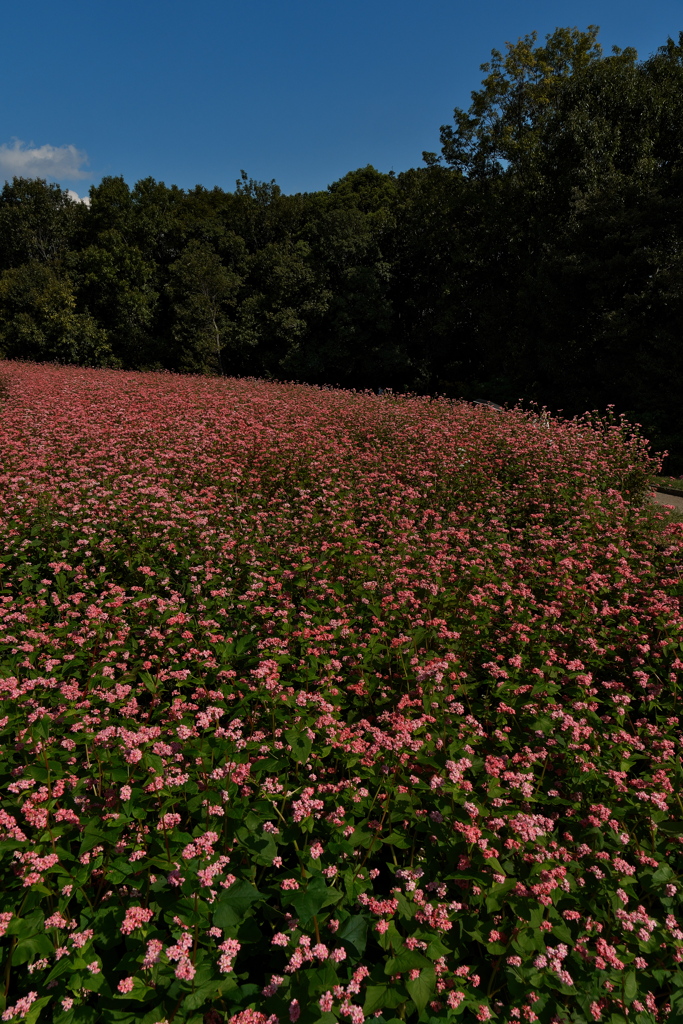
(21,1007)
(167,822)
(126,985)
(80,939)
(231,947)
(274,984)
(135,918)
(251,1017)
(326,1002)
(153,954)
(185,971)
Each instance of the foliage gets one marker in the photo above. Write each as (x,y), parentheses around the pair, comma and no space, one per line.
(505,119)
(328,706)
(202,292)
(39,319)
(38,222)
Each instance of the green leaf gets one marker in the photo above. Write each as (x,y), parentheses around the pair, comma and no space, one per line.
(310,901)
(262,848)
(354,931)
(495,948)
(23,927)
(537,915)
(42,727)
(149,682)
(494,863)
(422,989)
(93,837)
(151,1017)
(528,940)
(94,982)
(437,949)
(31,948)
(209,991)
(243,643)
(401,842)
(321,979)
(383,997)
(234,903)
(34,1013)
(300,743)
(497,894)
(62,966)
(562,932)
(662,874)
(409,960)
(671,827)
(630,986)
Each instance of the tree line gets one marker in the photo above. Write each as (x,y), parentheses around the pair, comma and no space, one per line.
(537,256)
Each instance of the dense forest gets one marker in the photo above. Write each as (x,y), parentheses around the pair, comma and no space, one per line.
(538,256)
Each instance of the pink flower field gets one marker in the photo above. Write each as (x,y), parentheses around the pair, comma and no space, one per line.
(326,706)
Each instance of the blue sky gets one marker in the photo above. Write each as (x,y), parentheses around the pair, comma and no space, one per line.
(301,91)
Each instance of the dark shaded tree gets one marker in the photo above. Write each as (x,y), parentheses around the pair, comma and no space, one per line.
(118,286)
(38,221)
(202,294)
(39,319)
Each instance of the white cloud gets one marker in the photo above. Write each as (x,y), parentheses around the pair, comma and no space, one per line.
(76,198)
(25,160)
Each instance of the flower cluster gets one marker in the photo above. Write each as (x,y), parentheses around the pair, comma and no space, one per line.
(317,702)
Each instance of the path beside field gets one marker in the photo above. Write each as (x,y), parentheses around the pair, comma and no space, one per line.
(668,499)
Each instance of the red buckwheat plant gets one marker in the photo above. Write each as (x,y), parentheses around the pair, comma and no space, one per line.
(321,706)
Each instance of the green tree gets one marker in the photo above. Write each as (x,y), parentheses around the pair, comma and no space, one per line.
(38,221)
(504,123)
(349,315)
(202,294)
(473,321)
(111,209)
(39,320)
(607,326)
(439,288)
(205,216)
(279,300)
(157,221)
(117,285)
(576,162)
